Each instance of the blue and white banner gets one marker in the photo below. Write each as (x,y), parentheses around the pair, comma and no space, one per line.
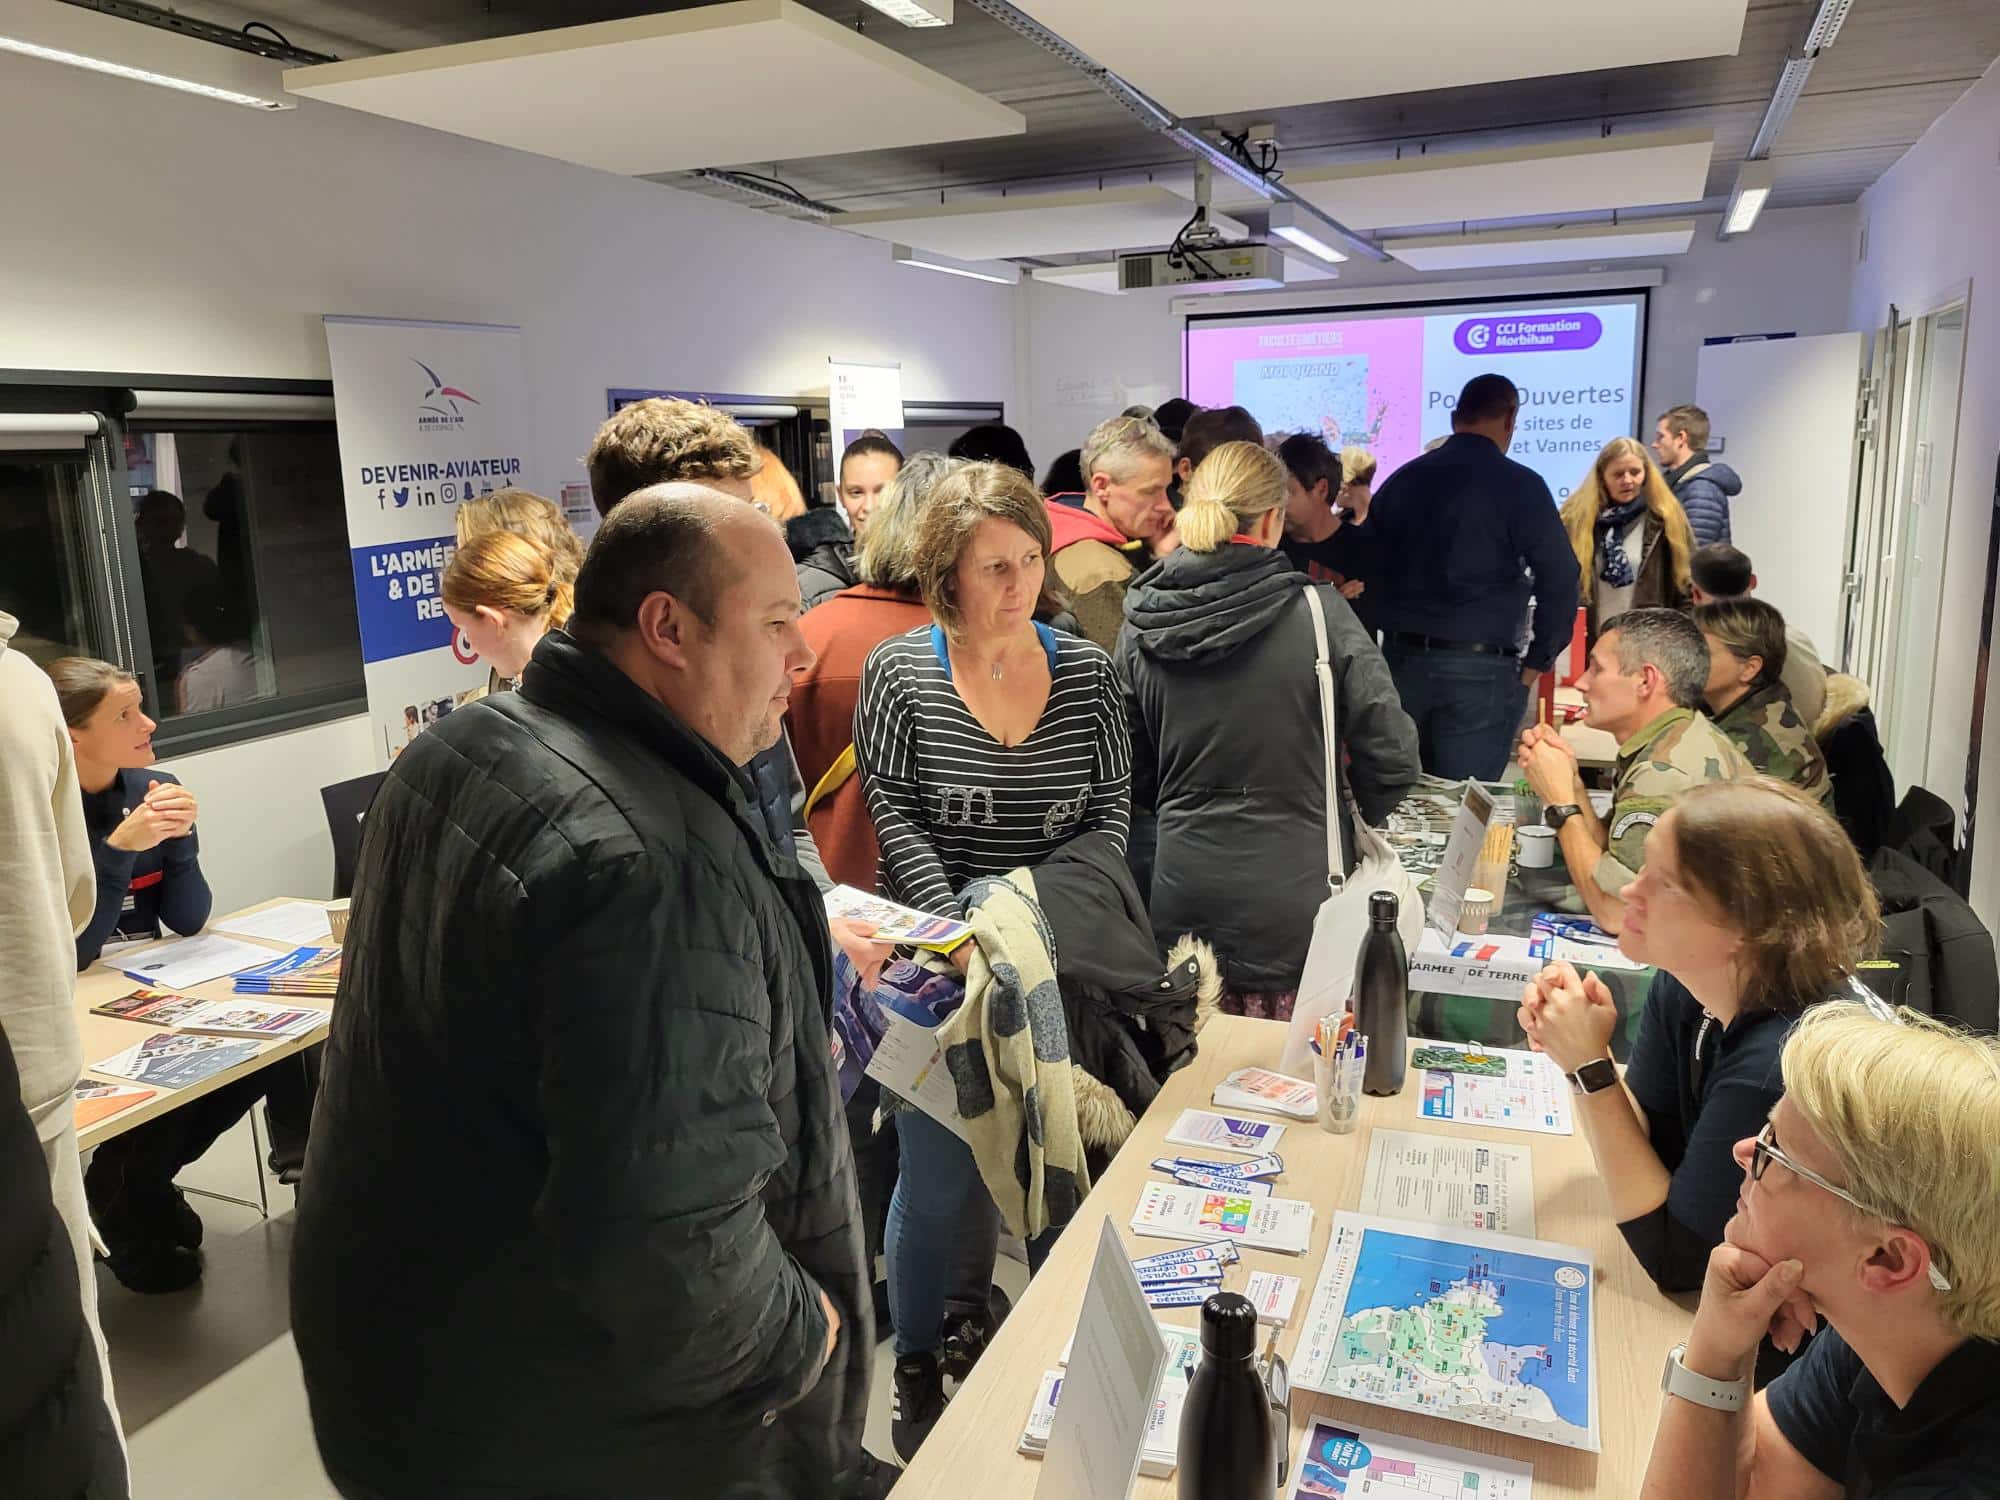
(430,415)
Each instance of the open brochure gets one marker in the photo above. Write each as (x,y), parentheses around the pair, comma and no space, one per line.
(173,1060)
(253,1018)
(896,923)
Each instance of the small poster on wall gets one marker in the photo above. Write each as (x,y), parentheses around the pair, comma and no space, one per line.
(429,416)
(863,396)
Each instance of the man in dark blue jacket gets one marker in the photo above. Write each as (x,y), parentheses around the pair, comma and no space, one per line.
(1466,537)
(1704,487)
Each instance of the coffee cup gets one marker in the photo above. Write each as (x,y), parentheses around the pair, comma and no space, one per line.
(1535,847)
(1475,911)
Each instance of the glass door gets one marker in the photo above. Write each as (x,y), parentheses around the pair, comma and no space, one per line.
(1868,533)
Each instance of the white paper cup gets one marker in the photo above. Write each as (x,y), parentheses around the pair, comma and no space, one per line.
(1535,847)
(1475,911)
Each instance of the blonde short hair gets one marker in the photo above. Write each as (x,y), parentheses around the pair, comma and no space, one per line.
(660,441)
(1911,1114)
(1357,465)
(1236,485)
(533,516)
(958,506)
(1116,447)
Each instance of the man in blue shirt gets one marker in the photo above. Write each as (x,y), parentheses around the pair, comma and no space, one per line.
(1466,537)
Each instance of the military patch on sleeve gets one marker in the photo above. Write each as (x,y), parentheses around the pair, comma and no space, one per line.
(1630,821)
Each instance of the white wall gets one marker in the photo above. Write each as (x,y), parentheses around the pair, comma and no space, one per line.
(1085,352)
(1933,225)
(146,231)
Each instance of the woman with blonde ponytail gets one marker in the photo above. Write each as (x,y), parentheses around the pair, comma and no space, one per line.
(504,593)
(1227,747)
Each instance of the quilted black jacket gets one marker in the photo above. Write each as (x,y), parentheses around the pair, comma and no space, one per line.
(579,1170)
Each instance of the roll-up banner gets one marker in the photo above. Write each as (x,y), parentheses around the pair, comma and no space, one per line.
(860,396)
(430,415)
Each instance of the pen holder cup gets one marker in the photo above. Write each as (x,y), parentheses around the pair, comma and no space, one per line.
(1339,1112)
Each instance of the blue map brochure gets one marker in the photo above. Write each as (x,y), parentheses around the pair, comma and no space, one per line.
(1479,1328)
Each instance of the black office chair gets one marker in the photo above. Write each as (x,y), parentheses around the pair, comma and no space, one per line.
(346,804)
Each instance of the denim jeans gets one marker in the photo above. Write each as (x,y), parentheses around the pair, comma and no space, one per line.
(1467,706)
(941,1221)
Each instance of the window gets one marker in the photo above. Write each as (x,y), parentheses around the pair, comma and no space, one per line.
(198,540)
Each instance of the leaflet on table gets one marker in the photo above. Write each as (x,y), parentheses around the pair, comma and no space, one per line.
(895,923)
(1479,1328)
(909,1063)
(150,1006)
(186,962)
(1577,940)
(95,1100)
(1533,1096)
(291,922)
(173,1060)
(1342,1461)
(1454,1181)
(1167,1210)
(1160,1456)
(1199,1128)
(1273,1295)
(1260,1088)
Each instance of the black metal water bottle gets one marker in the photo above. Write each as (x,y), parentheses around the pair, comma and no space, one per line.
(1228,1445)
(1382,998)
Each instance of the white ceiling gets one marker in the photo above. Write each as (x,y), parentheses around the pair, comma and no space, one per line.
(1528,247)
(1562,177)
(750,81)
(1038,224)
(1198,58)
(1102,275)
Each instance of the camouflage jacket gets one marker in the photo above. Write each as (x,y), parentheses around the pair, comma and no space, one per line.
(1677,750)
(1765,726)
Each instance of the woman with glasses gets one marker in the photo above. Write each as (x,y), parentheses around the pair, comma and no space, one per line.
(1753,906)
(1870,1200)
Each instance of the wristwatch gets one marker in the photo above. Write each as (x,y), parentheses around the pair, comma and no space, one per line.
(1560,814)
(1597,1074)
(1717,1395)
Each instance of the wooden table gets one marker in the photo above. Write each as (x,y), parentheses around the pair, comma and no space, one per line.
(105,1036)
(972,1450)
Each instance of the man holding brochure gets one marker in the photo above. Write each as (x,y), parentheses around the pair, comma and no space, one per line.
(581,973)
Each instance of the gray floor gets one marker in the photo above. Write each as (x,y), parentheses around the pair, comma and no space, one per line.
(208,1379)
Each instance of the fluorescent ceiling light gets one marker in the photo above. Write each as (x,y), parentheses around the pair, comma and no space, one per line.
(54,32)
(1753,186)
(916,12)
(998,271)
(1302,228)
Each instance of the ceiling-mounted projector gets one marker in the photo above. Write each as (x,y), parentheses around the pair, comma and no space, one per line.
(1247,266)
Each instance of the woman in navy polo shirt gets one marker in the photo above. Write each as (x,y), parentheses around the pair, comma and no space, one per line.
(141,822)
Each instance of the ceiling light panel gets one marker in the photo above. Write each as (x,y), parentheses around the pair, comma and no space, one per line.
(51,32)
(916,12)
(1324,51)
(666,92)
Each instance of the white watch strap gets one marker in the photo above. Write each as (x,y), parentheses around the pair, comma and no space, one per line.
(1718,1395)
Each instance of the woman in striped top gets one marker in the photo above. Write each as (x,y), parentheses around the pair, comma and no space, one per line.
(985,742)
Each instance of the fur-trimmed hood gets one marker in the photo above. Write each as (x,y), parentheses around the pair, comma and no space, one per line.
(1845,697)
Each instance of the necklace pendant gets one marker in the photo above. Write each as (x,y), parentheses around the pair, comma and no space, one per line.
(996,671)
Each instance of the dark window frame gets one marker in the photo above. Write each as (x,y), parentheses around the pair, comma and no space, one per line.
(118,608)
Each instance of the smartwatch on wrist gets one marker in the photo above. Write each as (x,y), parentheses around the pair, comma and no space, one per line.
(1594,1076)
(1555,817)
(1717,1395)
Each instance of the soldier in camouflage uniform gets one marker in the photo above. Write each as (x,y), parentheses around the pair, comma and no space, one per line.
(1643,685)
(1748,648)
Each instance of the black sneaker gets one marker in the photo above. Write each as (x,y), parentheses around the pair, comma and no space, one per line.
(186,1223)
(964,1342)
(919,1402)
(155,1268)
(870,1479)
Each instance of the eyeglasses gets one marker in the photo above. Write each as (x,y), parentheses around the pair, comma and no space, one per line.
(1764,1150)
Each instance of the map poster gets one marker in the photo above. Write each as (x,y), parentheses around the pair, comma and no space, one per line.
(1478,1328)
(1336,1460)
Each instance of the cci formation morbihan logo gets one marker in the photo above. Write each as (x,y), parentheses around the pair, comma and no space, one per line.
(440,404)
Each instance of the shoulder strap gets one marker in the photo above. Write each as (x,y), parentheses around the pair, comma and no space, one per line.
(1329,717)
(1697,469)
(835,777)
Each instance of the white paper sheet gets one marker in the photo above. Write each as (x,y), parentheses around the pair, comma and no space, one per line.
(186,962)
(295,923)
(1455,1181)
(1534,1095)
(1108,1388)
(910,1064)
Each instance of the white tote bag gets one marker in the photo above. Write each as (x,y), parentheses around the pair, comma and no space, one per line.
(1342,921)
